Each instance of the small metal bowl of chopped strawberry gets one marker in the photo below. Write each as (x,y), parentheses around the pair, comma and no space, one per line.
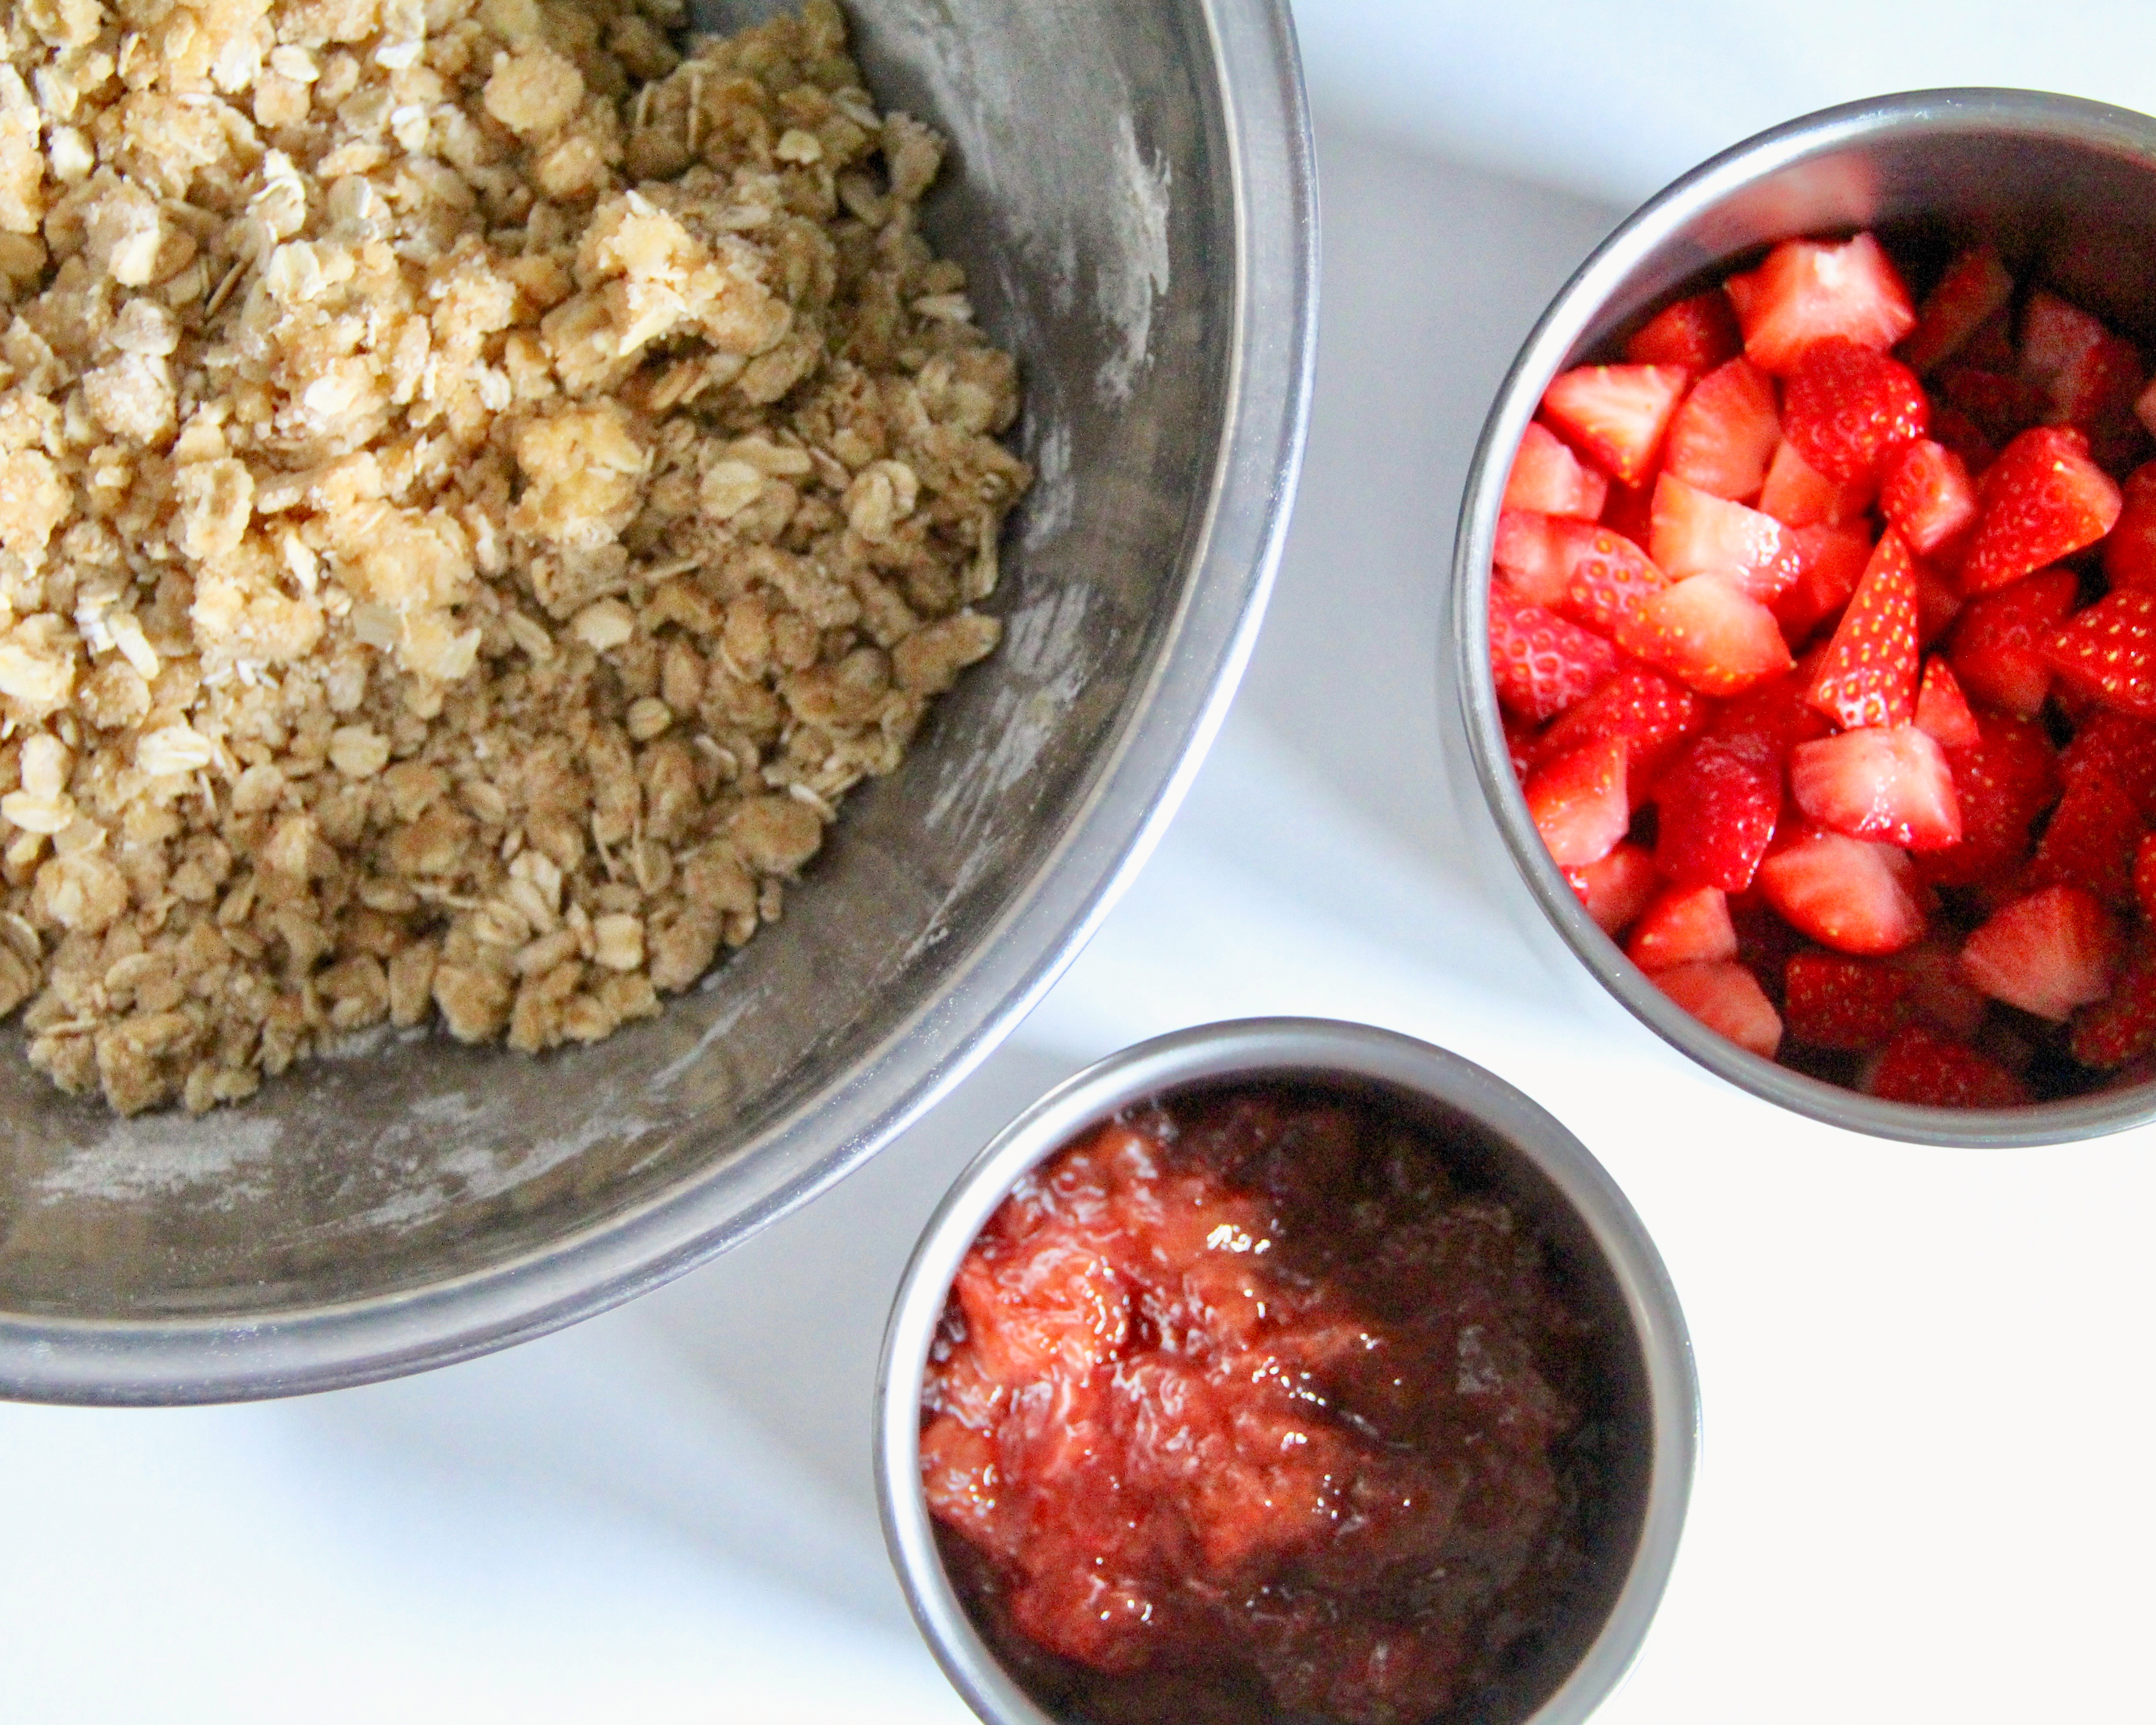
(1805,598)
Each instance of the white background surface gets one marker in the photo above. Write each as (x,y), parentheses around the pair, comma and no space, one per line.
(1926,1492)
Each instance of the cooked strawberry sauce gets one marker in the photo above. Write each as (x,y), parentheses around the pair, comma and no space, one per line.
(1241,1408)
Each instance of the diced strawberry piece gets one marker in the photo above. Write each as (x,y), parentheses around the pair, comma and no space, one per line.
(1938,992)
(1698,334)
(2096,392)
(1695,533)
(1798,494)
(1991,348)
(1706,633)
(1834,1001)
(2048,953)
(1929,496)
(1938,605)
(2057,335)
(1941,709)
(2109,650)
(1543,665)
(2120,747)
(1650,715)
(1727,998)
(1618,414)
(1999,406)
(1829,562)
(1958,432)
(1609,580)
(1726,432)
(1615,890)
(1685,925)
(2001,786)
(1807,289)
(1975,288)
(1849,409)
(1868,675)
(2121,1026)
(1630,510)
(1547,478)
(1717,807)
(2144,875)
(1522,740)
(1934,1071)
(2042,499)
(1578,805)
(1997,645)
(1533,555)
(2129,549)
(1888,782)
(2090,840)
(1845,893)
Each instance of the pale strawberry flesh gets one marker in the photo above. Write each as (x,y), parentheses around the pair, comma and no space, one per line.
(1615,414)
(1889,782)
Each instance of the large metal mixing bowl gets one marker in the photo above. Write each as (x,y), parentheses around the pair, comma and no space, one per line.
(1132,192)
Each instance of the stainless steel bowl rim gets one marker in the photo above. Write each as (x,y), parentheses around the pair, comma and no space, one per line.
(1263,420)
(1282,1046)
(1940,112)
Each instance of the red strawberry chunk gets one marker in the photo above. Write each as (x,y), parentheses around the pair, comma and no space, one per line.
(1883,782)
(1705,631)
(2096,392)
(2120,747)
(1929,496)
(1997,405)
(1726,432)
(2109,650)
(1808,288)
(1534,555)
(1938,992)
(1543,665)
(1650,715)
(2057,335)
(2144,875)
(1955,428)
(1938,605)
(1997,650)
(1975,288)
(1727,998)
(1798,494)
(1834,1001)
(2121,1026)
(1615,890)
(2048,953)
(2090,840)
(2001,786)
(1685,925)
(1829,562)
(2042,499)
(1868,675)
(1578,805)
(1849,409)
(1942,711)
(1609,580)
(1694,532)
(1845,893)
(1549,478)
(1698,334)
(1934,1071)
(1618,414)
(1718,807)
(2129,549)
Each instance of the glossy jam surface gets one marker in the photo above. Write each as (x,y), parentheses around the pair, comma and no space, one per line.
(1240,1409)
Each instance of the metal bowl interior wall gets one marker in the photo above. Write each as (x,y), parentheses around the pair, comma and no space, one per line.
(2066,188)
(1130,190)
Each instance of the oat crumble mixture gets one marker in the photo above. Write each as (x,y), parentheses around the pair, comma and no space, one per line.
(476,488)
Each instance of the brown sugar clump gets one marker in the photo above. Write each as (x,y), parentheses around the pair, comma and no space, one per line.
(477,487)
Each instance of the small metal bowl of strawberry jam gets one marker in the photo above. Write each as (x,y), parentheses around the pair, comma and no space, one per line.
(1805,603)
(1285,1370)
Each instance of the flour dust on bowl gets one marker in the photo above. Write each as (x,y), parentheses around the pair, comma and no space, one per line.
(1130,198)
(1285,1369)
(1896,963)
